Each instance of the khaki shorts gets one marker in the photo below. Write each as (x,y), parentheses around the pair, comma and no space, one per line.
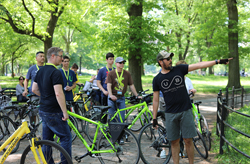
(178,124)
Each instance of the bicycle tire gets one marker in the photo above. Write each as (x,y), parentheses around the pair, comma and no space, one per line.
(28,157)
(74,121)
(8,128)
(153,143)
(200,145)
(205,132)
(129,152)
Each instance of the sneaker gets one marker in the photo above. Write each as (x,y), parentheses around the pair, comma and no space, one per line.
(163,154)
(121,142)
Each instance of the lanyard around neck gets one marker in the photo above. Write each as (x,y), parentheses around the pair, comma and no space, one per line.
(119,78)
(51,64)
(108,68)
(66,76)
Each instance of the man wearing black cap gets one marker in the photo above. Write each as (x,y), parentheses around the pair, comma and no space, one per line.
(178,112)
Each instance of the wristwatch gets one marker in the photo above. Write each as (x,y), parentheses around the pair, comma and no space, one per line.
(216,61)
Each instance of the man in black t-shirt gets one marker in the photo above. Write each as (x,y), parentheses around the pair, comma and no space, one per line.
(48,84)
(179,118)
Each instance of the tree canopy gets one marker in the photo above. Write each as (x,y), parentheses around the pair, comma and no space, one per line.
(137,30)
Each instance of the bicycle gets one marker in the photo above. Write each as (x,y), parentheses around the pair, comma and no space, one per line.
(138,115)
(19,112)
(7,128)
(201,124)
(39,151)
(107,147)
(80,105)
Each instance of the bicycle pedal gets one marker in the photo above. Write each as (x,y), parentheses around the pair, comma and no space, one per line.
(77,159)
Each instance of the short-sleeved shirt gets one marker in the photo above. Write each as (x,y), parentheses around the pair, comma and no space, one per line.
(68,82)
(46,78)
(189,84)
(32,74)
(172,85)
(102,76)
(112,78)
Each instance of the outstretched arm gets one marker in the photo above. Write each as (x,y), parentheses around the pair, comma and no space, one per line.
(206,64)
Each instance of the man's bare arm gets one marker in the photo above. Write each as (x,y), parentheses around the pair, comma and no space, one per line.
(25,84)
(132,87)
(35,89)
(113,97)
(204,64)
(61,100)
(155,103)
(98,82)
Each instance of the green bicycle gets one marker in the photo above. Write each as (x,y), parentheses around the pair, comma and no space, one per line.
(138,115)
(108,148)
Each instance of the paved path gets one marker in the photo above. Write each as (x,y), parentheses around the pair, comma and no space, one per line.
(207,108)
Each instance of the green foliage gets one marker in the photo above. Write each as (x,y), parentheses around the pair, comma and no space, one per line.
(239,141)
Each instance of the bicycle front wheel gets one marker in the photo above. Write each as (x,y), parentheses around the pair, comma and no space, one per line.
(127,152)
(52,152)
(154,143)
(73,134)
(200,145)
(7,128)
(205,132)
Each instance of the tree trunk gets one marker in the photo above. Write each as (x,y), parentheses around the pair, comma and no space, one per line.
(135,54)
(211,71)
(12,67)
(234,70)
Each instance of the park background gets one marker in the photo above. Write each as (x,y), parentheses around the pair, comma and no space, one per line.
(194,30)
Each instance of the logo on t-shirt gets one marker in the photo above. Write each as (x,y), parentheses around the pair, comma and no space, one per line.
(177,80)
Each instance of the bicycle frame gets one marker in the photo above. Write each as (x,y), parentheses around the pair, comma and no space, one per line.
(196,114)
(99,126)
(131,109)
(15,137)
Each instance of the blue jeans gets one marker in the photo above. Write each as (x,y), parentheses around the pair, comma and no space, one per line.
(53,124)
(120,105)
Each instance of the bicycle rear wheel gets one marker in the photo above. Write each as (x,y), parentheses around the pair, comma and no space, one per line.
(52,152)
(200,145)
(8,127)
(152,142)
(205,132)
(128,152)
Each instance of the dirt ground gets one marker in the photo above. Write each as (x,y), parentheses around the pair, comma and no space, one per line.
(207,108)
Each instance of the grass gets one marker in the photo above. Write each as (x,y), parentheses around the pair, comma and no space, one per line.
(203,84)
(239,141)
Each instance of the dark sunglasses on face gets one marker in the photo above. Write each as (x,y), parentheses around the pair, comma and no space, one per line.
(168,58)
(121,62)
(21,79)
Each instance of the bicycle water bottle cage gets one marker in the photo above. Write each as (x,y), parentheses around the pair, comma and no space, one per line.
(117,130)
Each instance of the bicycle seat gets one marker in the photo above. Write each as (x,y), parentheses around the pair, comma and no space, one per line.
(102,108)
(197,102)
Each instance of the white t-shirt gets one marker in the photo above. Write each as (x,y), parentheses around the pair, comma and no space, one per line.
(189,84)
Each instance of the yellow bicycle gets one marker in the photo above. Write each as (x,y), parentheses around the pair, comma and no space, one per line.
(39,151)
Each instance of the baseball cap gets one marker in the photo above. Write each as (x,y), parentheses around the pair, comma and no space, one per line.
(119,59)
(163,55)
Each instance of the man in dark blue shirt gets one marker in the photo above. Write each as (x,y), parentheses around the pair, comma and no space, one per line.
(102,75)
(48,84)
(69,79)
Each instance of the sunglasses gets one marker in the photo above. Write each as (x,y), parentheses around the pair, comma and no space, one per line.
(121,62)
(21,79)
(168,58)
